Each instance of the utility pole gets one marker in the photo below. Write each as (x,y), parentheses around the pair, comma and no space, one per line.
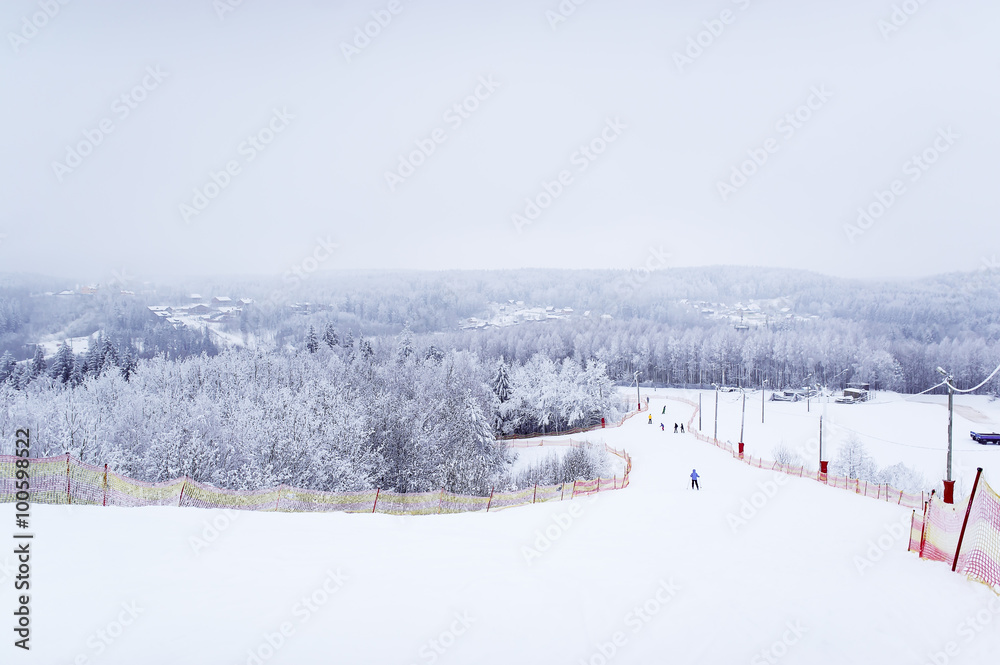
(715,435)
(743,415)
(949,484)
(638,399)
(764,383)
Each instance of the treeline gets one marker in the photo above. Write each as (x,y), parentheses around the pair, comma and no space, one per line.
(342,414)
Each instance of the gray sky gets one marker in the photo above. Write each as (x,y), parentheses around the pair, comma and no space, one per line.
(673,130)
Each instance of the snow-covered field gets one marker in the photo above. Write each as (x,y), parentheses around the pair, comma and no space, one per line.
(656,573)
(894,428)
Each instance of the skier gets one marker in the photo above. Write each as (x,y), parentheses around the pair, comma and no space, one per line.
(662,428)
(651,419)
(682,428)
(675,428)
(694,480)
(664,410)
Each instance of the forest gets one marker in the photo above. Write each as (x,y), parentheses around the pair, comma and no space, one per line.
(366,379)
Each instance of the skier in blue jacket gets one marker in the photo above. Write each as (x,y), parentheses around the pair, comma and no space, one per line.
(694,480)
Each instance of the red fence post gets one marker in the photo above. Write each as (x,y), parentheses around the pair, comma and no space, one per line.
(535,494)
(181,497)
(968,510)
(377,490)
(490,502)
(69,497)
(105,485)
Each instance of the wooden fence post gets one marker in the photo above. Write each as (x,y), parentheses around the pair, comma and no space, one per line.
(535,494)
(69,496)
(105,485)
(490,502)
(181,497)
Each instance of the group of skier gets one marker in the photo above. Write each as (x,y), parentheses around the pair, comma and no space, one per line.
(663,428)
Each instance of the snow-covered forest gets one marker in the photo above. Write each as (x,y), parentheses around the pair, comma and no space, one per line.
(340,415)
(369,381)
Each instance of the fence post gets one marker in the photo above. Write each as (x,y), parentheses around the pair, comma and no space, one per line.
(490,502)
(69,497)
(181,497)
(440,500)
(377,490)
(968,510)
(105,485)
(535,494)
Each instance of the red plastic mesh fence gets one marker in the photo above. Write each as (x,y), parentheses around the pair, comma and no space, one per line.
(979,556)
(864,488)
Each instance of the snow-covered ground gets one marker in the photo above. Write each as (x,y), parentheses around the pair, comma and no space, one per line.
(894,428)
(753,568)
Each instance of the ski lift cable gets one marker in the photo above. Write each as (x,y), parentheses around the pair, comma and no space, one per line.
(926,391)
(969,390)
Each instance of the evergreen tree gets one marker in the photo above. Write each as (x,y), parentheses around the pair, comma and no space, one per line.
(312,345)
(77,376)
(404,348)
(37,363)
(501,382)
(94,357)
(435,354)
(7,366)
(62,363)
(330,336)
(129,365)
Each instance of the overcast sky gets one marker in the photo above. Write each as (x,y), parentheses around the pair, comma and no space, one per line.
(830,102)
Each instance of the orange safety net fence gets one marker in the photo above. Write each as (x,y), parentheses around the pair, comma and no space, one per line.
(864,488)
(965,536)
(67,480)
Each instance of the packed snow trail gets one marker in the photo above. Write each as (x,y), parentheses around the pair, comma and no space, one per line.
(655,573)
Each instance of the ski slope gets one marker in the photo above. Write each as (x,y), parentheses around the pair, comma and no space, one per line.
(656,573)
